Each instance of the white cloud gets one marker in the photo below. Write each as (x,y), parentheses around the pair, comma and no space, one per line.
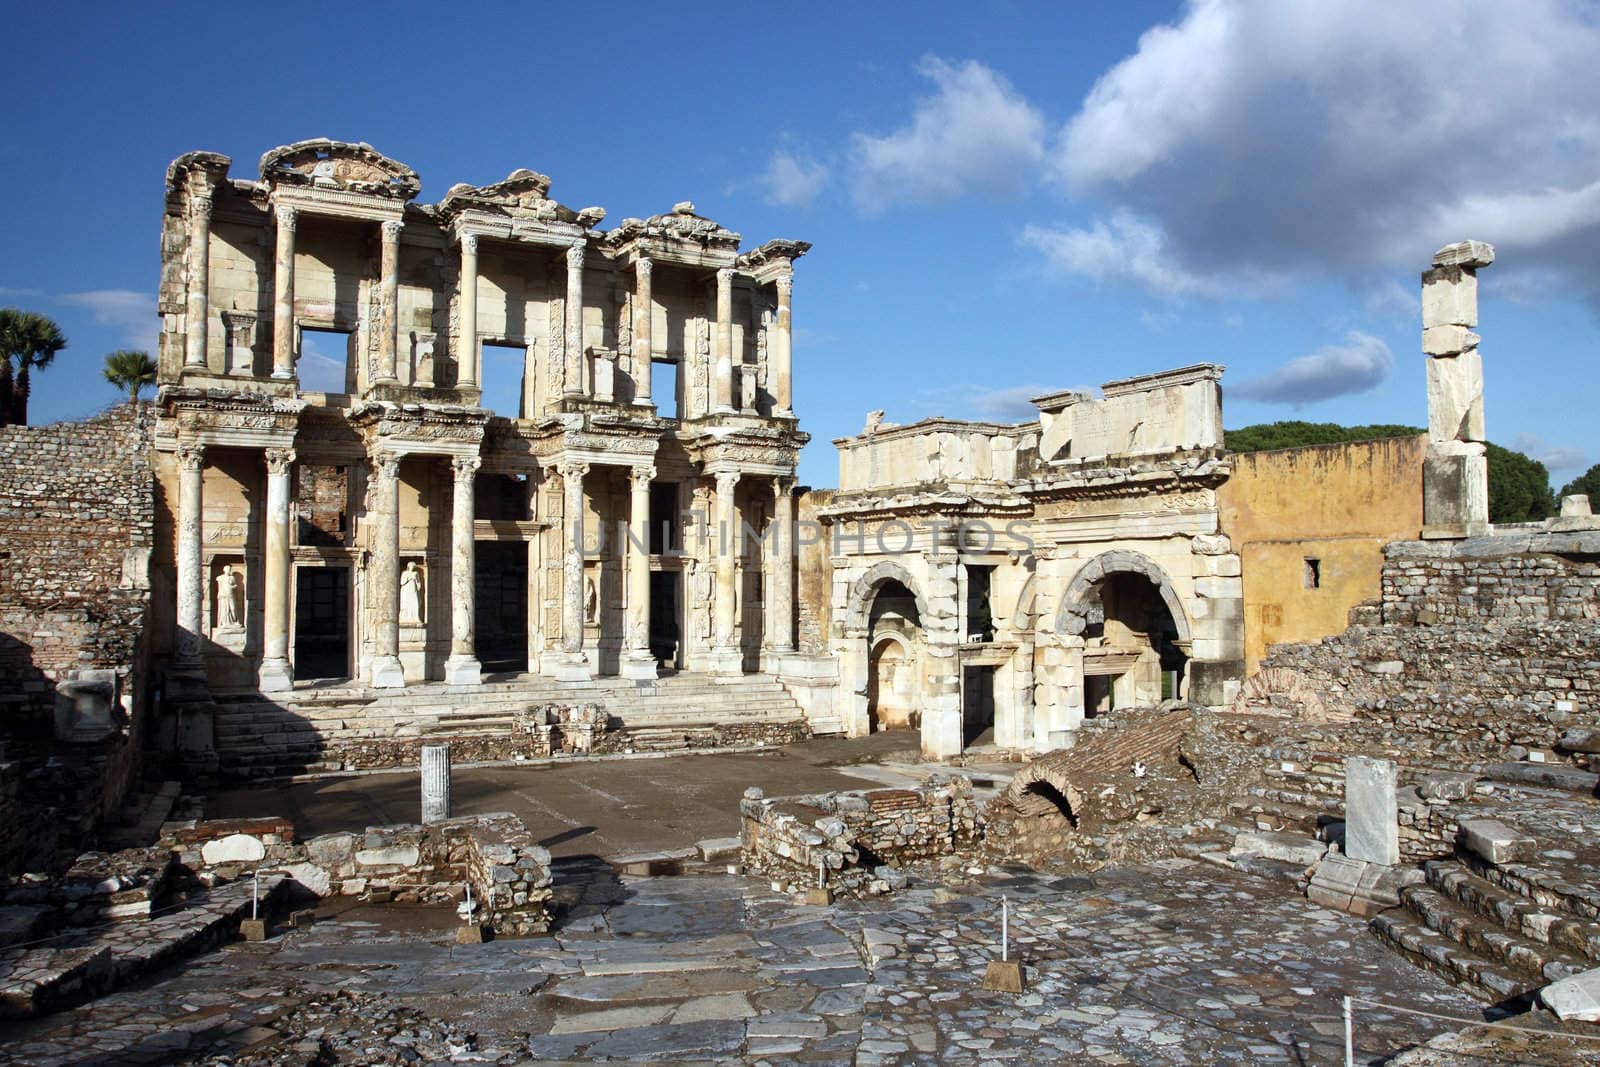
(974,134)
(1358,365)
(1125,249)
(133,314)
(1554,457)
(1294,138)
(793,180)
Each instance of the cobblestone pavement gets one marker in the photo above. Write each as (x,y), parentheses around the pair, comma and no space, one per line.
(1175,963)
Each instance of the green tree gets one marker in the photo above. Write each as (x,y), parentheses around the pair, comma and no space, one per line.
(29,341)
(1296,434)
(1587,484)
(1519,487)
(131,370)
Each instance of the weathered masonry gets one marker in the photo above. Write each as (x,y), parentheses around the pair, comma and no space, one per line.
(1022,578)
(363,516)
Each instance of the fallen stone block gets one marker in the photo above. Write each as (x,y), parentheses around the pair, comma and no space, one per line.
(718,849)
(1359,887)
(1288,848)
(1495,841)
(1446,786)
(1580,739)
(1574,999)
(1547,775)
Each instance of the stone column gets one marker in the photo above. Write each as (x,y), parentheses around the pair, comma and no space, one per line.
(782,595)
(723,397)
(573,384)
(389,301)
(383,572)
(283,303)
(573,666)
(275,675)
(638,664)
(467,332)
(1455,478)
(191,577)
(642,317)
(462,668)
(726,656)
(198,310)
(782,351)
(435,782)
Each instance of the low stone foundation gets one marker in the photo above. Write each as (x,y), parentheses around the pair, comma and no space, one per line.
(859,841)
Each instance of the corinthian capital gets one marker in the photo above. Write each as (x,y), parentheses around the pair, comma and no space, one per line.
(575,256)
(286,217)
(385,466)
(392,228)
(192,456)
(642,268)
(726,481)
(469,244)
(465,467)
(279,460)
(573,470)
(785,284)
(642,477)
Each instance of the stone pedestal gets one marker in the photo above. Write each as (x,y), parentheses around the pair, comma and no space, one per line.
(435,783)
(1371,812)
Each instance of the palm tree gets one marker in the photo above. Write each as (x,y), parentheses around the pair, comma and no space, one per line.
(131,370)
(32,341)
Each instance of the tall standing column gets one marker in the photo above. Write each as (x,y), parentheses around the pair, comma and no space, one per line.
(642,319)
(726,655)
(467,334)
(638,663)
(191,579)
(462,668)
(283,303)
(275,675)
(782,352)
(572,380)
(782,598)
(723,400)
(198,310)
(389,301)
(383,572)
(573,666)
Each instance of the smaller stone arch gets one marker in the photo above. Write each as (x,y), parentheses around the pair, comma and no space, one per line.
(1073,617)
(867,586)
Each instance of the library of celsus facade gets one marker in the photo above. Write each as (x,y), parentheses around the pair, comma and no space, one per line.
(367,518)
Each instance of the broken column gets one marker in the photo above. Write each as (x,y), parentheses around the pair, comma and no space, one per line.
(1456,472)
(435,783)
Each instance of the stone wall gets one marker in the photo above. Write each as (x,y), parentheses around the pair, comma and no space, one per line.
(77,507)
(859,840)
(496,855)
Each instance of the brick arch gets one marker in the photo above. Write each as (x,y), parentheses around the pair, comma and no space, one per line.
(866,587)
(1073,617)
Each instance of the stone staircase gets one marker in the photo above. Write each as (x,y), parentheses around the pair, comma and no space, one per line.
(312,730)
(1499,930)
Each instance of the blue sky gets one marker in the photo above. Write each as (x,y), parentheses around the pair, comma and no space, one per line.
(1004,199)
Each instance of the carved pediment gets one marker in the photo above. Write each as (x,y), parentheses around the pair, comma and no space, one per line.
(523,194)
(215,164)
(325,164)
(680,224)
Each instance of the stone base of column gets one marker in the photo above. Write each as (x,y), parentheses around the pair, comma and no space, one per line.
(569,667)
(463,670)
(725,661)
(722,409)
(387,673)
(638,665)
(275,676)
(643,402)
(941,732)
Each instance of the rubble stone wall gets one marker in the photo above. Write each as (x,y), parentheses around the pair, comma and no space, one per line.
(859,840)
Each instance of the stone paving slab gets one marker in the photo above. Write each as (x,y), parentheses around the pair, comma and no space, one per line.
(1170,964)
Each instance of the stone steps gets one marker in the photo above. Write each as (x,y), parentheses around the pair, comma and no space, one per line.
(79,965)
(1536,961)
(1516,913)
(1434,952)
(1548,887)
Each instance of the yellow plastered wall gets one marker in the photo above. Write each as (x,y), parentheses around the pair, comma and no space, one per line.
(1336,504)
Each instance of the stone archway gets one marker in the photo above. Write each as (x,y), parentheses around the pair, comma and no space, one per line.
(891,696)
(856,639)
(1077,602)
(866,587)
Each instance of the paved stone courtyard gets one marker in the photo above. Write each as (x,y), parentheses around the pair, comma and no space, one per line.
(1177,963)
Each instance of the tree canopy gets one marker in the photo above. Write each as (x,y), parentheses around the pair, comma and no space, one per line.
(28,341)
(130,370)
(1519,486)
(1587,484)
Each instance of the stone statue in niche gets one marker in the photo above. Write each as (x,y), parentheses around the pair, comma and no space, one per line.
(411,595)
(230,597)
(591,602)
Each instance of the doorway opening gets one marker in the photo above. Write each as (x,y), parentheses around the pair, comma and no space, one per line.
(665,537)
(977,706)
(322,623)
(500,606)
(665,598)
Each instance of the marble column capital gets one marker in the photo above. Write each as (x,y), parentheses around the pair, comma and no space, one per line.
(465,467)
(785,283)
(783,485)
(726,481)
(575,254)
(641,477)
(642,267)
(191,456)
(572,470)
(279,460)
(469,244)
(724,276)
(385,466)
(285,216)
(391,229)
